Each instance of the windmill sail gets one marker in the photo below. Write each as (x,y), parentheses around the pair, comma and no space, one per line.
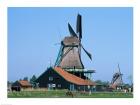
(71,30)
(79,26)
(88,54)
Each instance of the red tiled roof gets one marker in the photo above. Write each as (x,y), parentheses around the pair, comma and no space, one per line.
(25,83)
(72,78)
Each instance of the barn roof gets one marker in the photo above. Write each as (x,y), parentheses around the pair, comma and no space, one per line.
(24,83)
(72,78)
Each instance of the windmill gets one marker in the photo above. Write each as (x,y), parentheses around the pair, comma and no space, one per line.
(69,57)
(117,79)
(68,71)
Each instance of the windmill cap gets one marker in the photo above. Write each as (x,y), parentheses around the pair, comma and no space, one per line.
(70,40)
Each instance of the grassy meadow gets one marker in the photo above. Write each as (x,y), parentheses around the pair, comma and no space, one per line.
(62,94)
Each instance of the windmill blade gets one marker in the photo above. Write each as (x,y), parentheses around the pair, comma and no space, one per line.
(71,30)
(115,77)
(119,68)
(89,55)
(121,81)
(79,25)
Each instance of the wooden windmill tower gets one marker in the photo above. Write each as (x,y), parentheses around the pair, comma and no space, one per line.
(69,57)
(117,79)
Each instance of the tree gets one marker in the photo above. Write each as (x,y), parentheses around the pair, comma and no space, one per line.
(130,78)
(33,81)
(102,82)
(98,81)
(105,82)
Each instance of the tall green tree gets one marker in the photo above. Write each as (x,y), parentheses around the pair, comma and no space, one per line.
(33,81)
(102,82)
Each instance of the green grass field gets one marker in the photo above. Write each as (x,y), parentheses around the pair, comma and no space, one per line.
(62,94)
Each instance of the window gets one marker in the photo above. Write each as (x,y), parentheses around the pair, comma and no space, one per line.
(59,85)
(72,87)
(53,85)
(50,78)
(57,78)
(50,86)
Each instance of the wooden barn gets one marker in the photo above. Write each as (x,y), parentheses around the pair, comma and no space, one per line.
(19,85)
(57,78)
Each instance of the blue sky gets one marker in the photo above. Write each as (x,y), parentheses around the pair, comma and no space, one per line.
(34,32)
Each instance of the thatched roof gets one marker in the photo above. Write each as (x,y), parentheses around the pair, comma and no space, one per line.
(70,40)
(71,60)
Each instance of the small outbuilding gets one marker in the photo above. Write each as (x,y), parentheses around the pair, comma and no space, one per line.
(22,84)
